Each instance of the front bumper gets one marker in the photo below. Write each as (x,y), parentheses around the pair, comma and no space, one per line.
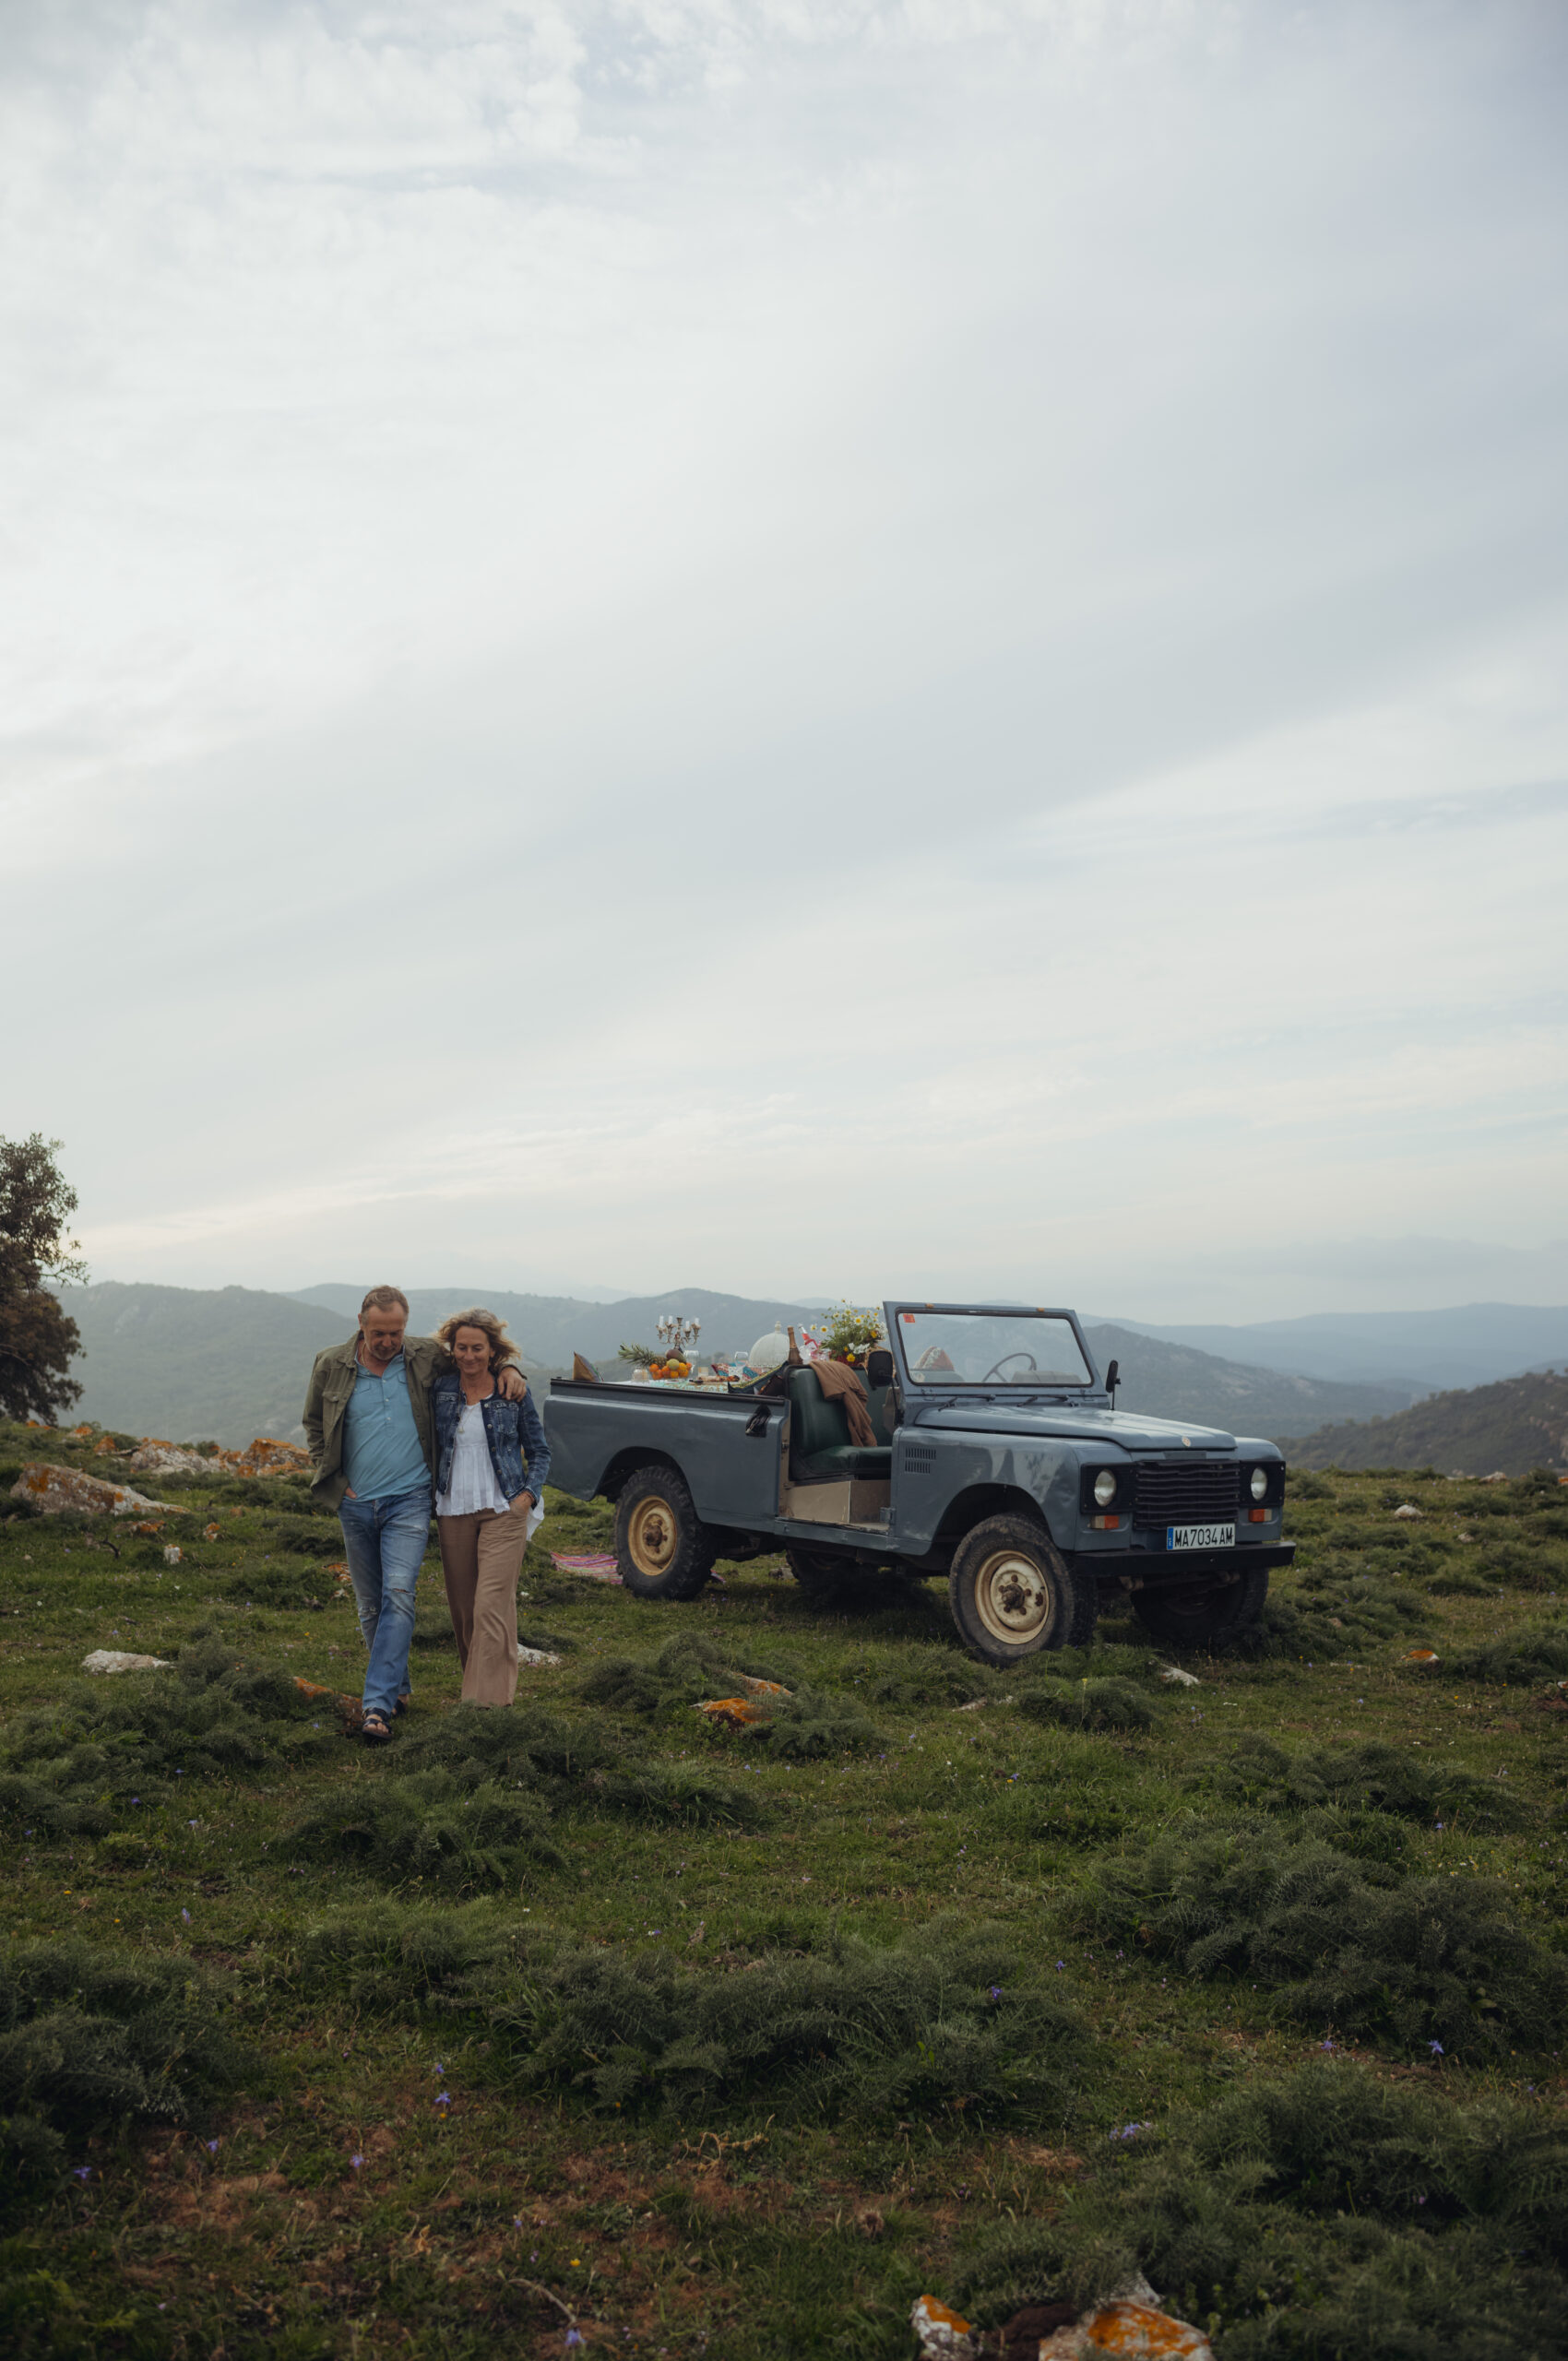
(1160,1569)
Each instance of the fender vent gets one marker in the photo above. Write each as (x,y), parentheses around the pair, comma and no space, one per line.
(919,1459)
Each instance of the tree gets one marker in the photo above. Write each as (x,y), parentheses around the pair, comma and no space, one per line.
(37,1337)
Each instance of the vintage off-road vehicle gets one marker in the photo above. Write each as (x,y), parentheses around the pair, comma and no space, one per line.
(1000,1460)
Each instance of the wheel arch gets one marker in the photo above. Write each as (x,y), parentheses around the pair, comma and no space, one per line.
(975,1502)
(629,1463)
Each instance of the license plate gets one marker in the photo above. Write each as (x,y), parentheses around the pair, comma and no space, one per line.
(1200,1537)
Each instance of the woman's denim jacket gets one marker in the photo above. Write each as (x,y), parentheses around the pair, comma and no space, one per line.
(510,1428)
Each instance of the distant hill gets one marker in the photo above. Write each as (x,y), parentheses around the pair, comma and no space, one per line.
(551,1328)
(1514,1426)
(218,1364)
(1174,1381)
(1471,1343)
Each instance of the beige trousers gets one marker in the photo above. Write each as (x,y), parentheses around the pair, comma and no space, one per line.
(481,1556)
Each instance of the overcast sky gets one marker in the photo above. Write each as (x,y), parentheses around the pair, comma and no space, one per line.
(807,648)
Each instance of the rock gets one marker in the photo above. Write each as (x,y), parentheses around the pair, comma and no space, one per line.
(154,1457)
(736,1713)
(1129,2324)
(265,1456)
(172,1554)
(54,1489)
(117,1660)
(1407,1508)
(944,2334)
(1182,1679)
(1136,2332)
(536,1656)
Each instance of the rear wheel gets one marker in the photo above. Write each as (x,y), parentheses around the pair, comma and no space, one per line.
(1012,1593)
(818,1571)
(663,1547)
(1202,1615)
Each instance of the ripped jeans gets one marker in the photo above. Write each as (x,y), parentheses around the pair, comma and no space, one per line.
(385,1541)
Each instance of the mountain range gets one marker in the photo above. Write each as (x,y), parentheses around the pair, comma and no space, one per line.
(1471,1343)
(228,1363)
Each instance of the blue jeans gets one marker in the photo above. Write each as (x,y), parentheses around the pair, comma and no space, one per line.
(384,1541)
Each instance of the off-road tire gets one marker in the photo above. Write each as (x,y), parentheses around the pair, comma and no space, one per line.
(663,1547)
(821,1573)
(1206,1615)
(1012,1593)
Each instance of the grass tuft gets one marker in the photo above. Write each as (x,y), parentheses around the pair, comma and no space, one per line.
(92,2039)
(1341,1942)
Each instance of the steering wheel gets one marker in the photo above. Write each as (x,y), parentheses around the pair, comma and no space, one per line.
(1019,1355)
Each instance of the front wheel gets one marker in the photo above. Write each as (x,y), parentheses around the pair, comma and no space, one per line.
(663,1547)
(1202,1615)
(1012,1593)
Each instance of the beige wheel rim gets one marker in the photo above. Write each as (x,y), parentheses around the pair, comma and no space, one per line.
(1013,1598)
(652,1537)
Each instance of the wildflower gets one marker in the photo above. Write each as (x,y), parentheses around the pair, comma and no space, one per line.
(1060,1966)
(82,2172)
(572,2337)
(996,1991)
(1436,2049)
(186,1917)
(356,2160)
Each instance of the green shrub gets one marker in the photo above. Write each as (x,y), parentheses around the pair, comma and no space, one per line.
(430,1830)
(948,2018)
(804,1726)
(1368,1777)
(306,1536)
(91,2040)
(1325,2217)
(1341,1942)
(1088,1705)
(1528,1655)
(71,1769)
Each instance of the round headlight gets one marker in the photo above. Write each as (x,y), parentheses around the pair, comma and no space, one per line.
(1260,1482)
(1105,1488)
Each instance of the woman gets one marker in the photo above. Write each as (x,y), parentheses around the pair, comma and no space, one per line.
(487,1502)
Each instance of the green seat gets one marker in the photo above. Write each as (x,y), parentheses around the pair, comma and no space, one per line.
(820,1448)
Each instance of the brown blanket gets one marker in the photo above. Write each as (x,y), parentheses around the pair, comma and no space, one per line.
(839,1382)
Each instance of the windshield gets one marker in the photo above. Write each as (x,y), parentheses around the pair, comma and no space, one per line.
(952,1348)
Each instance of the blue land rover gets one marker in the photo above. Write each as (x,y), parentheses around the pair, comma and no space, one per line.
(998,1459)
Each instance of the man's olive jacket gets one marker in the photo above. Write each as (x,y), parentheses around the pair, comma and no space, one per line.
(327,1403)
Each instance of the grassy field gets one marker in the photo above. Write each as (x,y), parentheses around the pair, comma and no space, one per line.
(592,2022)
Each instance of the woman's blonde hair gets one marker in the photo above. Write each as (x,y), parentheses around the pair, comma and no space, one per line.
(501,1348)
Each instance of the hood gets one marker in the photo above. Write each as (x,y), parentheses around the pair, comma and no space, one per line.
(1125,1428)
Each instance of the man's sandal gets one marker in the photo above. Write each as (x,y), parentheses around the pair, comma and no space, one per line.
(375,1732)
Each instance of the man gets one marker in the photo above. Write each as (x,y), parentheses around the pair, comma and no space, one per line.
(372,1442)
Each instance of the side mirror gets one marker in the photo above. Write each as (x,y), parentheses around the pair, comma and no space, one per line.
(1113,1380)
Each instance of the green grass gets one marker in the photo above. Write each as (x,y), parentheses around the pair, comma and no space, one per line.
(735,2041)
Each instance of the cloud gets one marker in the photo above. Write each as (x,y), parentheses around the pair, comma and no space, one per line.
(782,646)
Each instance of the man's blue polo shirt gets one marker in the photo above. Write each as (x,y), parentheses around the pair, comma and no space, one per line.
(381,1443)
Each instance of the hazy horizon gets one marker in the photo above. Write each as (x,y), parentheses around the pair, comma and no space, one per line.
(909,648)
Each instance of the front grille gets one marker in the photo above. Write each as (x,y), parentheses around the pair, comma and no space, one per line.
(1191,1491)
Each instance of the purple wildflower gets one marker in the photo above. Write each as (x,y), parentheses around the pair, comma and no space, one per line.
(186,1917)
(1436,2049)
(82,2172)
(356,2161)
(211,2147)
(996,1991)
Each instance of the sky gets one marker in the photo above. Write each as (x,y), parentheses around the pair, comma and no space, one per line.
(817,648)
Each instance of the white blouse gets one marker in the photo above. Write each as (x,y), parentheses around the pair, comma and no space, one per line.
(471,1485)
